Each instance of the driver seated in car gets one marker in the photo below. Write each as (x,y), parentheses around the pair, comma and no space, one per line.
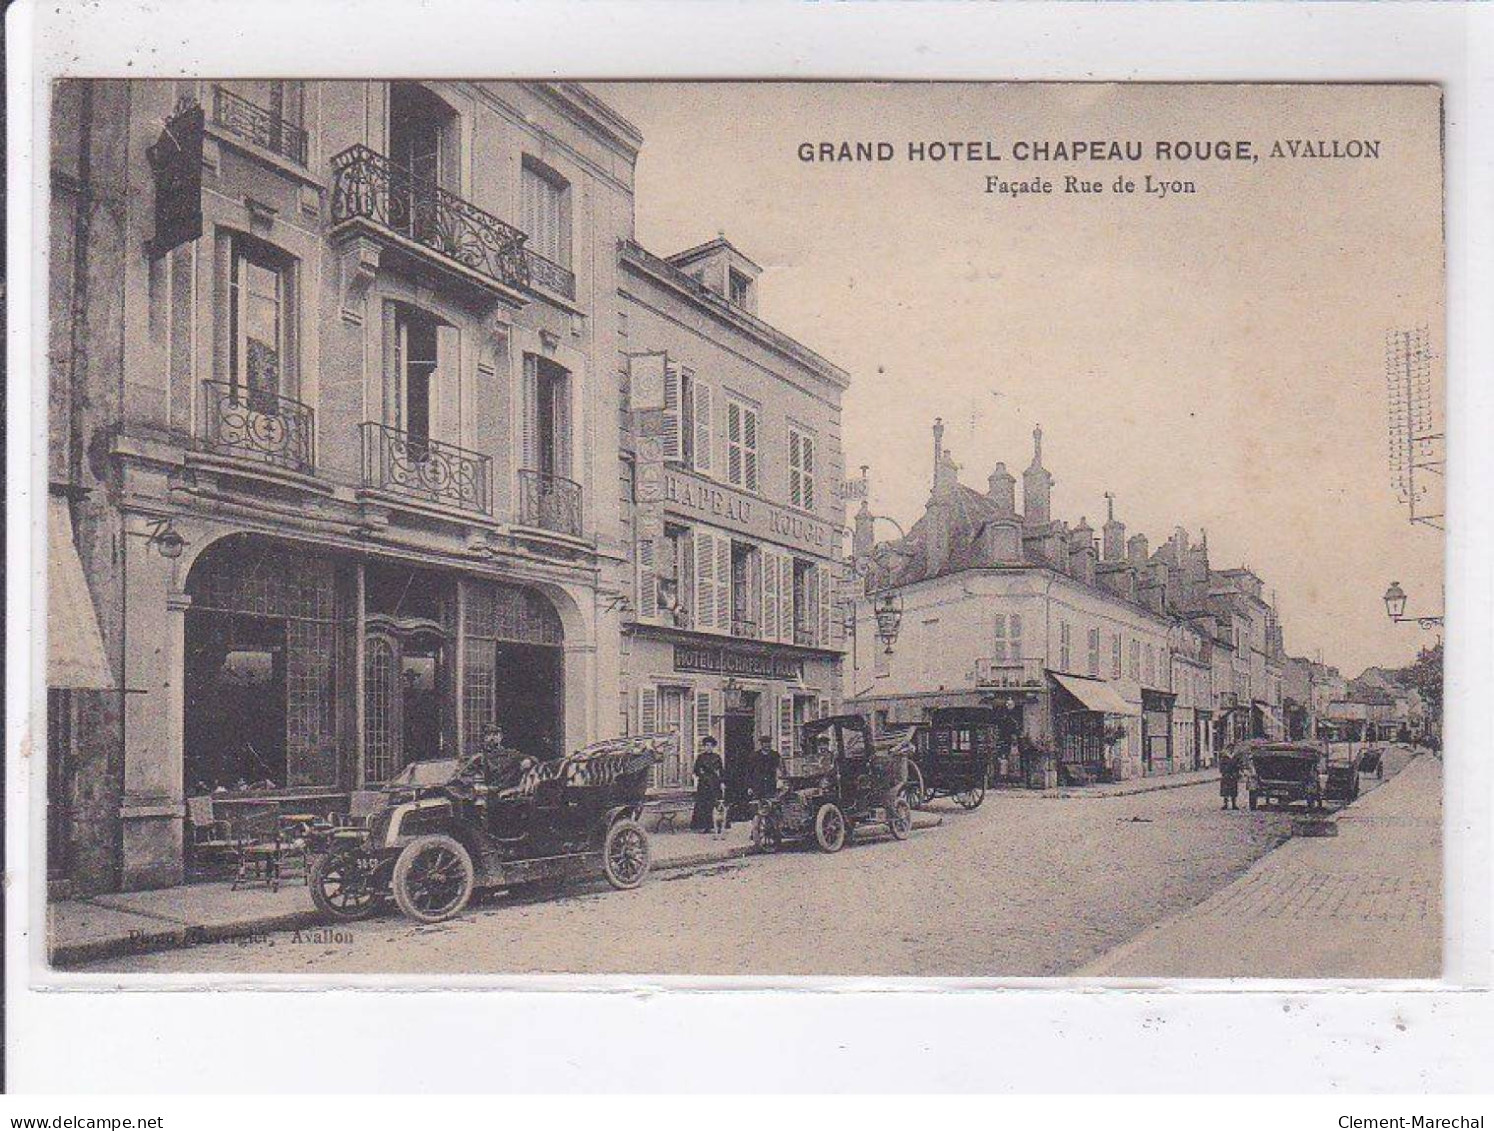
(503,767)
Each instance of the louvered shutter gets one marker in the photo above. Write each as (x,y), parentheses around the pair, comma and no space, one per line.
(806,450)
(841,605)
(563,428)
(749,449)
(822,576)
(796,489)
(529,413)
(786,727)
(685,565)
(705,710)
(735,474)
(705,432)
(671,441)
(447,391)
(786,598)
(648,710)
(768,626)
(705,581)
(648,586)
(723,583)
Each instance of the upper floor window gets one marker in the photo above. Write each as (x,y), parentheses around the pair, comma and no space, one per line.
(801,470)
(269,113)
(1064,642)
(689,434)
(741,445)
(1135,658)
(1008,642)
(739,286)
(1115,656)
(547,417)
(415,365)
(1093,643)
(545,212)
(260,319)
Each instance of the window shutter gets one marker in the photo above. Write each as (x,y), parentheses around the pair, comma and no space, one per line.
(563,428)
(786,598)
(806,446)
(768,628)
(749,449)
(447,394)
(734,470)
(529,412)
(689,599)
(841,605)
(796,489)
(704,711)
(704,429)
(723,583)
(648,586)
(648,710)
(705,581)
(671,441)
(786,727)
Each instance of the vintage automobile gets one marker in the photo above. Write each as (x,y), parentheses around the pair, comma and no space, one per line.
(843,779)
(443,832)
(1372,761)
(1342,781)
(951,757)
(1285,772)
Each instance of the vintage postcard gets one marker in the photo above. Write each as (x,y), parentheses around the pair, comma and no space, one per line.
(931,530)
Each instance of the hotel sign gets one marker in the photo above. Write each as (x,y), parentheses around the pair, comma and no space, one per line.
(693,497)
(715,659)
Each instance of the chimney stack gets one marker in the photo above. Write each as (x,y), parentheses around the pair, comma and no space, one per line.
(1001,489)
(1114,533)
(1037,485)
(938,448)
(1136,549)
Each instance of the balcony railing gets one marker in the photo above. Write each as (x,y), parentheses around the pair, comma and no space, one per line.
(550,275)
(256,425)
(548,502)
(744,628)
(426,470)
(264,128)
(1008,673)
(368,186)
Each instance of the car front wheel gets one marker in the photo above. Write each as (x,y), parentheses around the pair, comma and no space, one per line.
(625,855)
(830,828)
(900,817)
(433,878)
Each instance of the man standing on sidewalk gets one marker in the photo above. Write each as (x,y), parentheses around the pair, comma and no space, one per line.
(1229,780)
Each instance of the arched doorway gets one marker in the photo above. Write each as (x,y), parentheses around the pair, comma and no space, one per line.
(514,668)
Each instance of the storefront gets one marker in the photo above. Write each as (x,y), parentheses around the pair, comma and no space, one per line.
(1088,723)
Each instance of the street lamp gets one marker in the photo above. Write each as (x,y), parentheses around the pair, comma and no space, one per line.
(1395,608)
(889,614)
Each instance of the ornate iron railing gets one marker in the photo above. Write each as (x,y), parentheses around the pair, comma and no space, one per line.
(426,469)
(1008,673)
(368,186)
(741,626)
(548,502)
(264,128)
(257,425)
(550,275)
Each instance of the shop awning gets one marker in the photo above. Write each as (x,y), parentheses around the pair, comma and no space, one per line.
(75,649)
(1096,695)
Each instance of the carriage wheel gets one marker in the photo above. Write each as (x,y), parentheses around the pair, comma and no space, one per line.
(625,855)
(900,817)
(433,878)
(972,797)
(919,794)
(342,886)
(830,828)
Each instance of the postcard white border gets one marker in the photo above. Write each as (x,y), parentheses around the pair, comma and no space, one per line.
(862,1034)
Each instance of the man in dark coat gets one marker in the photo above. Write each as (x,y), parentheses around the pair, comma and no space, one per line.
(765,765)
(709,774)
(1229,780)
(504,767)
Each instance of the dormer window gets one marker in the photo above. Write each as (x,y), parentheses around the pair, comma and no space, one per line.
(739,288)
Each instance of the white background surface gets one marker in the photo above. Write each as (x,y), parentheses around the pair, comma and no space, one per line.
(858,1036)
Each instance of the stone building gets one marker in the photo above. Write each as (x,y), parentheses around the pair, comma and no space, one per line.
(732,470)
(1106,656)
(333,432)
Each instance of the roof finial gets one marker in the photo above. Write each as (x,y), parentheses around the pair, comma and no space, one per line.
(1109,506)
(1037,445)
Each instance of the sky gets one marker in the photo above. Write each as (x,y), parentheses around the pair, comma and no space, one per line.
(1214,359)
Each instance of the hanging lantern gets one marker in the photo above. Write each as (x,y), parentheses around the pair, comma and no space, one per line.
(889,614)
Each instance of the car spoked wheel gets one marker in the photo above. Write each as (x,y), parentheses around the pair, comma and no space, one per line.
(900,817)
(830,828)
(342,886)
(433,878)
(972,797)
(625,855)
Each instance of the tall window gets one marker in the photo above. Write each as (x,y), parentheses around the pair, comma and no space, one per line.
(1093,642)
(545,211)
(1115,656)
(1151,666)
(801,470)
(1136,660)
(741,445)
(1063,645)
(1008,644)
(415,357)
(689,422)
(547,417)
(258,312)
(739,287)
(804,602)
(423,144)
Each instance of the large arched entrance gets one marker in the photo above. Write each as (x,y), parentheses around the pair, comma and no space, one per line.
(514,668)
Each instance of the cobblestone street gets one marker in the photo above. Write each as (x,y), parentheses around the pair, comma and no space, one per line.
(1024,886)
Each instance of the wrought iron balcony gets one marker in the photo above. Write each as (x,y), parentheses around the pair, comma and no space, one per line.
(367,187)
(256,425)
(426,470)
(1008,673)
(550,275)
(741,626)
(548,502)
(255,124)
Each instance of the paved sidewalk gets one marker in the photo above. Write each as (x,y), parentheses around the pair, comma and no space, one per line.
(1133,786)
(106,926)
(1366,903)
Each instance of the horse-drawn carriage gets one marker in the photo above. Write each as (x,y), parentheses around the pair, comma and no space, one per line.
(443,831)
